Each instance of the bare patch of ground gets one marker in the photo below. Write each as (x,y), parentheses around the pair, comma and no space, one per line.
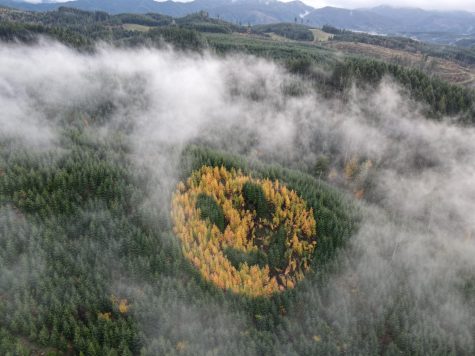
(445,69)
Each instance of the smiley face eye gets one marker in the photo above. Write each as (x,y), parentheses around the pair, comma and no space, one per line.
(210,210)
(251,236)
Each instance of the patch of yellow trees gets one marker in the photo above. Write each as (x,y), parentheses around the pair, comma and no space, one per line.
(203,243)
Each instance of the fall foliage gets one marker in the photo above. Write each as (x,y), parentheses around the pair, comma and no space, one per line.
(218,211)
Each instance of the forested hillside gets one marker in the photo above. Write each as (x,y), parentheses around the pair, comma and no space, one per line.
(189,186)
(443,27)
(81,30)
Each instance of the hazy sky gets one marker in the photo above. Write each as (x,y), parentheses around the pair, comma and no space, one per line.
(467,5)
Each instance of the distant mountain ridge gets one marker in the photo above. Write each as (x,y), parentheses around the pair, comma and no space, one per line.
(387,19)
(381,19)
(245,11)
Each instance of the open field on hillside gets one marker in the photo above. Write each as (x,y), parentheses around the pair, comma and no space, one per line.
(136,27)
(442,68)
(320,36)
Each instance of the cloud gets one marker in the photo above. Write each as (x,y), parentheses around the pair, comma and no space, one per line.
(24,108)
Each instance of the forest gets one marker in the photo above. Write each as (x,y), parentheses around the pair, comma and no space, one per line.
(198,32)
(193,187)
